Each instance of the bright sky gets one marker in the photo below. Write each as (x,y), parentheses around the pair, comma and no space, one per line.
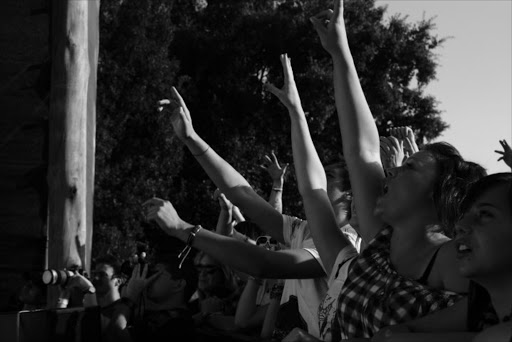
(474,76)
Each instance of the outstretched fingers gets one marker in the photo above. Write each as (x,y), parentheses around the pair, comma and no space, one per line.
(183,105)
(287,68)
(338,9)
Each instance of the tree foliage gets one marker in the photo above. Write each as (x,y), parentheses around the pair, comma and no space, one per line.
(219,54)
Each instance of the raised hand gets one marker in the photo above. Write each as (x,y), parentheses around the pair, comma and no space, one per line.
(273,168)
(506,154)
(330,27)
(288,95)
(391,152)
(224,203)
(405,134)
(138,282)
(80,282)
(163,213)
(180,119)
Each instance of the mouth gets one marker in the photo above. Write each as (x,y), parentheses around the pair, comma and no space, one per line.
(463,249)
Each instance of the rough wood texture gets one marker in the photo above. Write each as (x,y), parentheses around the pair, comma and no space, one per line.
(71,90)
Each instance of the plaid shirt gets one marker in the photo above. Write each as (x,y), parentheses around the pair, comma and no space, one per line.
(375,295)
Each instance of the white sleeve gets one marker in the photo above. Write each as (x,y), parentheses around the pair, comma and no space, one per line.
(346,254)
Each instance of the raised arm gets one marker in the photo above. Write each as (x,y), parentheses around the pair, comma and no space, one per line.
(310,174)
(247,258)
(225,177)
(277,173)
(358,129)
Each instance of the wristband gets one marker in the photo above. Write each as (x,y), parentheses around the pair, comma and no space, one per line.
(184,253)
(277,189)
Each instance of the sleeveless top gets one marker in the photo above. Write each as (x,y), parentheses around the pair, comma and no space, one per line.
(375,296)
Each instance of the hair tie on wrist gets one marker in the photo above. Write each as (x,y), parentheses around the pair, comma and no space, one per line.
(200,154)
(277,189)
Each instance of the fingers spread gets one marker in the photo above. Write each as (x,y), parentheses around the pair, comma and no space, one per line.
(275,158)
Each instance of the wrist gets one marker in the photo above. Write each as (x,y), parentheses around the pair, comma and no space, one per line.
(278,183)
(183,233)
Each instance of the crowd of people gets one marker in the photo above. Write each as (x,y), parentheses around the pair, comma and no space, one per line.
(400,243)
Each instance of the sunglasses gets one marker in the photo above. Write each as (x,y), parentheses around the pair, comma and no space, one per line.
(208,269)
(266,240)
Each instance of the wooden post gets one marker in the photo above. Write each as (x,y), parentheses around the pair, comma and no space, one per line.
(68,136)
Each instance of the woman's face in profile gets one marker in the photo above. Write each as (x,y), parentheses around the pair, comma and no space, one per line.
(484,236)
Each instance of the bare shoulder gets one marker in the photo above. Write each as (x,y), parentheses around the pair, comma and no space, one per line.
(448,270)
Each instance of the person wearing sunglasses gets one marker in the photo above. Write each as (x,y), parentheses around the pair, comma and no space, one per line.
(215,299)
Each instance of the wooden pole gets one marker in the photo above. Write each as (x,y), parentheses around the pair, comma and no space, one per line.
(67,169)
(94,42)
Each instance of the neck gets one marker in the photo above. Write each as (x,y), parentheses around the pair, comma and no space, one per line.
(499,290)
(108,298)
(410,241)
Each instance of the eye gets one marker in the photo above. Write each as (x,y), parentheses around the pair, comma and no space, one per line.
(484,214)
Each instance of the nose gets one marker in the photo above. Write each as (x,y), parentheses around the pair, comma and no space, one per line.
(463,226)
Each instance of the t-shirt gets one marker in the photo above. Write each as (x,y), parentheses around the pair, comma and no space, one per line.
(300,296)
(327,319)
(305,294)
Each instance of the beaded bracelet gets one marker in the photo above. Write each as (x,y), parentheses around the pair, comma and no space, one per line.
(188,247)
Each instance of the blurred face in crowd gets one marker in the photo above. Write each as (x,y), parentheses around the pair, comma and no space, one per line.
(334,175)
(339,197)
(210,275)
(104,280)
(267,242)
(484,236)
(31,294)
(408,189)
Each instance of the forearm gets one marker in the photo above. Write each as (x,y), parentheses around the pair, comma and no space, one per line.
(308,167)
(358,129)
(246,307)
(220,172)
(276,195)
(236,188)
(223,222)
(254,260)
